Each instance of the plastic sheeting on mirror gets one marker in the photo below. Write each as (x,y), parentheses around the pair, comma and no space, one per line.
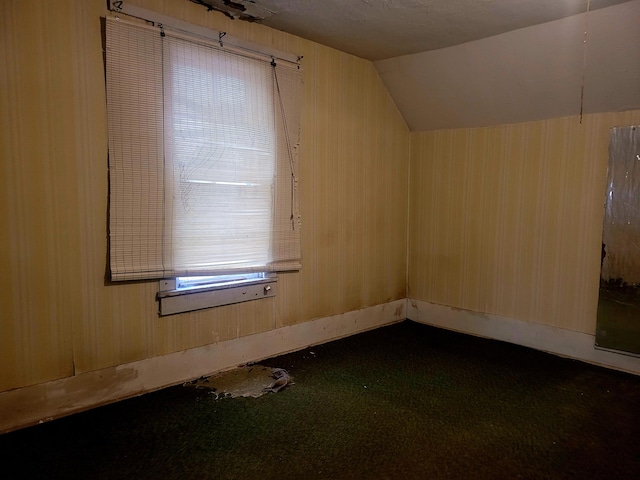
(621,229)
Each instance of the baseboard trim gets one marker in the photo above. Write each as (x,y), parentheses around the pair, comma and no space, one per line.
(558,341)
(43,402)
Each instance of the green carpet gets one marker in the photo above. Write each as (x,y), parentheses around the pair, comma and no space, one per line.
(401,402)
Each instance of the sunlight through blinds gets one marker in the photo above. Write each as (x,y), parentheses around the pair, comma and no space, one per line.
(203,146)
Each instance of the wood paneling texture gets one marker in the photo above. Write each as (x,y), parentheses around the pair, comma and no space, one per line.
(507,220)
(504,220)
(57,316)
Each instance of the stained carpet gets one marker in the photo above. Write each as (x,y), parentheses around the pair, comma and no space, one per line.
(406,401)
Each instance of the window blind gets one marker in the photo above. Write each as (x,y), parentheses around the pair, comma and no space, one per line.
(203,145)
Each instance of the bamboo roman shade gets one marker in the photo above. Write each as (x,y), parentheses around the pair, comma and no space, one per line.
(203,145)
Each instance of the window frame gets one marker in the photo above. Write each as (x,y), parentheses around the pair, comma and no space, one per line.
(172,299)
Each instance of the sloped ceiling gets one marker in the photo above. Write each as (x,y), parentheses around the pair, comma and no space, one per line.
(534,73)
(465,63)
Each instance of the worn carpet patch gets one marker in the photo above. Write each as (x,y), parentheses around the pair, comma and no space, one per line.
(248,381)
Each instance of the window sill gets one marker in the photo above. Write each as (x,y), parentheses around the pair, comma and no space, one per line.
(186,300)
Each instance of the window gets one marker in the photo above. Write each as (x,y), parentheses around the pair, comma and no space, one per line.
(203,146)
(191,283)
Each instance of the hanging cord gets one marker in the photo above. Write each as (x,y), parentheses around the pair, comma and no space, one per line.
(165,249)
(289,149)
(584,58)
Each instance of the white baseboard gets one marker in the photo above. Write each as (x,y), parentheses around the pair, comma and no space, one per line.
(43,402)
(566,343)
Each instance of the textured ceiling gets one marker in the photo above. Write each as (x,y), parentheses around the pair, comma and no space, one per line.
(381,29)
(470,63)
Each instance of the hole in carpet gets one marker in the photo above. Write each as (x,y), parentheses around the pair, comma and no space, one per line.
(247,381)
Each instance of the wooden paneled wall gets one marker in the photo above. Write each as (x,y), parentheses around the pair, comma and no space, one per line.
(504,220)
(507,220)
(57,316)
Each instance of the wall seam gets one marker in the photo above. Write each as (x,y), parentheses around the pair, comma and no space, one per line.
(408,228)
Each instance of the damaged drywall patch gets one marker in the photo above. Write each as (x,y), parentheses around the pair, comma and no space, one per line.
(248,381)
(239,9)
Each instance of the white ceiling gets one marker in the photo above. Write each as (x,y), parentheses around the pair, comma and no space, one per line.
(470,63)
(380,29)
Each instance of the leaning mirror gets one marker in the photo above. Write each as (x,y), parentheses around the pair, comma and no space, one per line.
(618,324)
